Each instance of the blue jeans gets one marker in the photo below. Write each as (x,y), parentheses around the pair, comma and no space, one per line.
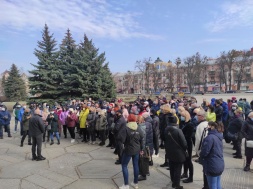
(52,135)
(124,162)
(214,182)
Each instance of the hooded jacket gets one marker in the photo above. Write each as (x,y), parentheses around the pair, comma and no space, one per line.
(213,102)
(211,155)
(134,139)
(5,117)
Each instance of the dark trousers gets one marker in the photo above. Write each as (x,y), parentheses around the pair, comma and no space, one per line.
(102,135)
(119,150)
(248,160)
(25,133)
(36,142)
(84,132)
(188,163)
(111,138)
(92,134)
(238,146)
(175,172)
(72,132)
(65,130)
(44,134)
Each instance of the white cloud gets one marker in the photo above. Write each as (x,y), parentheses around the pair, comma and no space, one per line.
(233,14)
(96,17)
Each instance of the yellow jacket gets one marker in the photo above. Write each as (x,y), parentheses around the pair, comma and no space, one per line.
(210,116)
(82,117)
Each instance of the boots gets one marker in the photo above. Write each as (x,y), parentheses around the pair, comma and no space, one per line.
(247,168)
(21,145)
(52,142)
(58,142)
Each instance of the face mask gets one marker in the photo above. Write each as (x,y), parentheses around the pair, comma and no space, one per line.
(51,112)
(3,109)
(147,109)
(88,105)
(112,112)
(196,118)
(233,108)
(24,107)
(182,118)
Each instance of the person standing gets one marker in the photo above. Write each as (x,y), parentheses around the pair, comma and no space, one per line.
(247,131)
(16,114)
(36,128)
(133,146)
(25,121)
(119,128)
(90,123)
(63,117)
(211,156)
(71,123)
(5,118)
(82,119)
(101,123)
(52,120)
(156,131)
(175,145)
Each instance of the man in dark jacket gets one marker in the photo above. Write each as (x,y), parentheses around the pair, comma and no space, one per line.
(5,118)
(175,145)
(119,134)
(52,120)
(36,131)
(156,132)
(234,127)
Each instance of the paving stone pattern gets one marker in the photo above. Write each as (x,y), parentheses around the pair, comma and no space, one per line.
(80,165)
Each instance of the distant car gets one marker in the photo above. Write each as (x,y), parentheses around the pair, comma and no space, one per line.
(251,91)
(231,91)
(199,92)
(215,92)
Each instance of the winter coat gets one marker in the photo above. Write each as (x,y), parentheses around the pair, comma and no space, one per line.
(25,121)
(63,117)
(211,116)
(213,102)
(91,120)
(188,129)
(5,117)
(219,112)
(156,133)
(134,139)
(235,125)
(155,107)
(211,155)
(175,144)
(82,117)
(20,113)
(36,125)
(71,120)
(225,111)
(53,121)
(149,134)
(200,134)
(101,123)
(247,131)
(164,122)
(119,129)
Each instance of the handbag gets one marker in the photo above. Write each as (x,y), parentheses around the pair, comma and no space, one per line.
(232,136)
(249,143)
(185,151)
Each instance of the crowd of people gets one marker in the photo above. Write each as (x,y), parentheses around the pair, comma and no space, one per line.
(141,128)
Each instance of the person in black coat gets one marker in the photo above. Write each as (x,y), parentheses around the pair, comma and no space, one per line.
(234,127)
(175,145)
(36,129)
(247,131)
(119,134)
(156,131)
(188,129)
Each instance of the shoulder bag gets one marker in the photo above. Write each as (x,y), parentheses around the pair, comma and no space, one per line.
(185,151)
(249,143)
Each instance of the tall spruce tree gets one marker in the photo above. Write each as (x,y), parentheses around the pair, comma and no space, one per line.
(99,80)
(14,85)
(67,60)
(2,84)
(46,77)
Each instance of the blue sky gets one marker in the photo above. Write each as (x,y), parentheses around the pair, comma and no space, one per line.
(127,30)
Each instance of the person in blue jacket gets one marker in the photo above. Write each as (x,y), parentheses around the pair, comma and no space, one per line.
(20,116)
(211,156)
(5,118)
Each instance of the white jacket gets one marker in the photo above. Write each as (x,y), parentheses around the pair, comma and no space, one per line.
(199,132)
